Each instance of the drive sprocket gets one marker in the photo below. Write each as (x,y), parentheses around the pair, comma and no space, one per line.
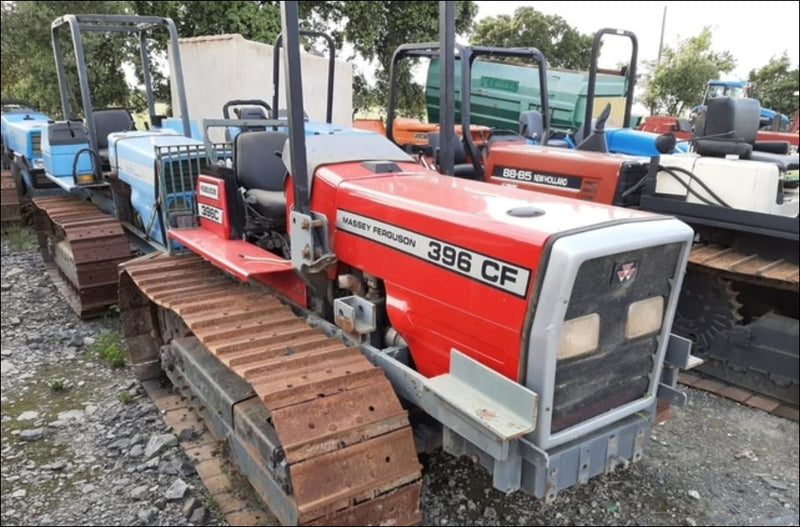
(708,306)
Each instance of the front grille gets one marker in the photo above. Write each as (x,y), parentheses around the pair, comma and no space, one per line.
(179,168)
(620,369)
(36,143)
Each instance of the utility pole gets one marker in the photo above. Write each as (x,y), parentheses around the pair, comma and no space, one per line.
(663,23)
(660,46)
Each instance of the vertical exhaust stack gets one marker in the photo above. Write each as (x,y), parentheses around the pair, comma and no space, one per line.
(447,98)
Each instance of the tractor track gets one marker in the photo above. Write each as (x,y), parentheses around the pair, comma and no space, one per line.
(321,422)
(10,206)
(81,247)
(739,394)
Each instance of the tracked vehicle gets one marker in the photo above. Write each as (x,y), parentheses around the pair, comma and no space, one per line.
(309,301)
(533,329)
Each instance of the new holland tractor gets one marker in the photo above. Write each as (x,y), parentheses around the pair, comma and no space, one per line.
(533,329)
(740,304)
(306,290)
(502,91)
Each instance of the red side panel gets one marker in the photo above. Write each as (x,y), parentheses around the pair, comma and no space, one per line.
(661,124)
(243,260)
(458,258)
(212,206)
(589,176)
(769,135)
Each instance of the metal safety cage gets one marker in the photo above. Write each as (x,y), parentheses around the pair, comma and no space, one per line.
(629,74)
(130,24)
(465,57)
(175,207)
(220,152)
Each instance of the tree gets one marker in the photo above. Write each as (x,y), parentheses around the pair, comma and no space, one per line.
(259,21)
(775,85)
(375,30)
(562,45)
(679,80)
(28,65)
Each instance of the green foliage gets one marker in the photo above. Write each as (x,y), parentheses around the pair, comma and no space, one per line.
(562,45)
(125,397)
(375,30)
(108,347)
(21,238)
(679,80)
(58,384)
(28,65)
(211,503)
(775,85)
(257,21)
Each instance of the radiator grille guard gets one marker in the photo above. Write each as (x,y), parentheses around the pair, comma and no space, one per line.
(619,371)
(178,167)
(36,143)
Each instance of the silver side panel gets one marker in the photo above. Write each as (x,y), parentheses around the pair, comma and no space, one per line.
(567,255)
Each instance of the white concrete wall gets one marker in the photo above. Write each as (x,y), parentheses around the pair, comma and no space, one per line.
(217,69)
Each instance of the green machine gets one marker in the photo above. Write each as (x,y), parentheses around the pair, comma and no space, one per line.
(501,90)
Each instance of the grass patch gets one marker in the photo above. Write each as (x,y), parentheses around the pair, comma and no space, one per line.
(108,347)
(125,397)
(58,384)
(21,238)
(211,503)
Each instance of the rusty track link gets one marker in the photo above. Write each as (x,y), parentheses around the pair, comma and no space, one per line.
(740,394)
(81,247)
(10,206)
(743,267)
(341,429)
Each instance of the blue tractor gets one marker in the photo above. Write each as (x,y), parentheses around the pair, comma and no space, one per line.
(118,185)
(115,184)
(739,90)
(260,110)
(23,166)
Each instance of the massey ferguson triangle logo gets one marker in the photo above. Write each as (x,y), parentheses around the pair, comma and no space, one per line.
(625,272)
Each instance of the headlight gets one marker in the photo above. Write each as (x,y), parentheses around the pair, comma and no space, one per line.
(644,317)
(579,336)
(85,179)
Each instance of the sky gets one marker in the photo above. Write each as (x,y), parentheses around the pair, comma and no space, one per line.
(732,24)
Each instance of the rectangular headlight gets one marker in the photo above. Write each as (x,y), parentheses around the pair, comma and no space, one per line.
(84,179)
(579,336)
(644,317)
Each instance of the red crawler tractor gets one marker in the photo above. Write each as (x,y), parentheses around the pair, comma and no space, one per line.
(332,277)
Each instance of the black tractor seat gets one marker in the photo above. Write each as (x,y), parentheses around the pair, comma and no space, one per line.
(260,171)
(462,167)
(531,126)
(107,121)
(730,127)
(252,113)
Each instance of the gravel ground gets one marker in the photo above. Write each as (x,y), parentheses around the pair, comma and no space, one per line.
(83,445)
